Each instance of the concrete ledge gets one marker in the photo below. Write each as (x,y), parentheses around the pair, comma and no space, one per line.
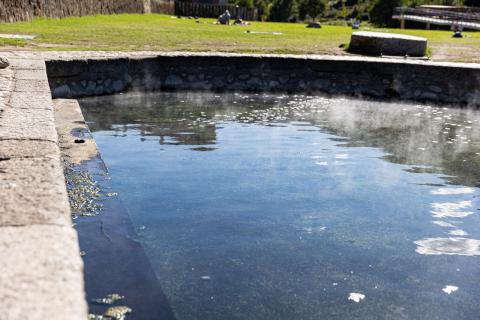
(27,149)
(41,269)
(27,123)
(41,278)
(28,188)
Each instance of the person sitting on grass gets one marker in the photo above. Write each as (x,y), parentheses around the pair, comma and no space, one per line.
(224,18)
(239,22)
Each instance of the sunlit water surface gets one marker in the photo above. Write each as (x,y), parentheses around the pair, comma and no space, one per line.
(297,207)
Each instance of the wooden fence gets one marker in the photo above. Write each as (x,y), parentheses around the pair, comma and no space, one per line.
(205,10)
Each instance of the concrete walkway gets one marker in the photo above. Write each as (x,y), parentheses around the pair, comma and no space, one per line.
(41,270)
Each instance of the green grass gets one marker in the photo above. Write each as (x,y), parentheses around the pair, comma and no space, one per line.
(132,32)
(12,42)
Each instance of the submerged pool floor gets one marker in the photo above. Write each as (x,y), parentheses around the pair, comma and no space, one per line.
(297,207)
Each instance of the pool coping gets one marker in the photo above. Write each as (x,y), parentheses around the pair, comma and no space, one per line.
(42,272)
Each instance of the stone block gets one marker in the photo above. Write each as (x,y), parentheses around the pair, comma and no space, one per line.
(20,63)
(378,43)
(31,74)
(42,274)
(32,191)
(20,100)
(32,85)
(27,149)
(29,124)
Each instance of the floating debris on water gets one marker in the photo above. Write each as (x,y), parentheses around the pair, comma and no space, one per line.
(83,192)
(85,214)
(356,297)
(450,289)
(109,299)
(117,313)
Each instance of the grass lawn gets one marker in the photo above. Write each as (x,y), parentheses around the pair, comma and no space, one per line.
(135,32)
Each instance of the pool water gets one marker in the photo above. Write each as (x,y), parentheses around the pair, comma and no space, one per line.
(252,206)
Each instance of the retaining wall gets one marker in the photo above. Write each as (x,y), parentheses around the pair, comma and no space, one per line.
(358,76)
(19,10)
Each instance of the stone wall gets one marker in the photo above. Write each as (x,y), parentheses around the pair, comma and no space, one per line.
(358,76)
(19,10)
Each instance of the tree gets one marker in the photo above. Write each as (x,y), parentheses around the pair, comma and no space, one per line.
(284,11)
(263,9)
(382,11)
(312,8)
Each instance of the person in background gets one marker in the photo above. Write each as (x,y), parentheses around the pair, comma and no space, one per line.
(224,18)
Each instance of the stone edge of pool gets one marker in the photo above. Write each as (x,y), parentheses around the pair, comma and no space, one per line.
(78,75)
(42,272)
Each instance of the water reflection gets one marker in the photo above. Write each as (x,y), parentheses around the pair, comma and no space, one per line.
(430,139)
(449,246)
(297,207)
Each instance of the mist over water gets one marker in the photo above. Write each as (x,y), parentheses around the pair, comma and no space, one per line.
(299,207)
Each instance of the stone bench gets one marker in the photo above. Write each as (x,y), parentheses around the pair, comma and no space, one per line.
(378,43)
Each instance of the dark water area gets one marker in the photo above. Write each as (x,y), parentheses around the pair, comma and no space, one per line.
(297,207)
(114,259)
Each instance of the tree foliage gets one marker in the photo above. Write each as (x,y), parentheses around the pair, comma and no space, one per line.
(472,3)
(378,11)
(243,3)
(311,8)
(284,10)
(381,13)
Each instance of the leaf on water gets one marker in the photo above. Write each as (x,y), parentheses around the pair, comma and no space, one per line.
(449,289)
(356,297)
(109,299)
(117,313)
